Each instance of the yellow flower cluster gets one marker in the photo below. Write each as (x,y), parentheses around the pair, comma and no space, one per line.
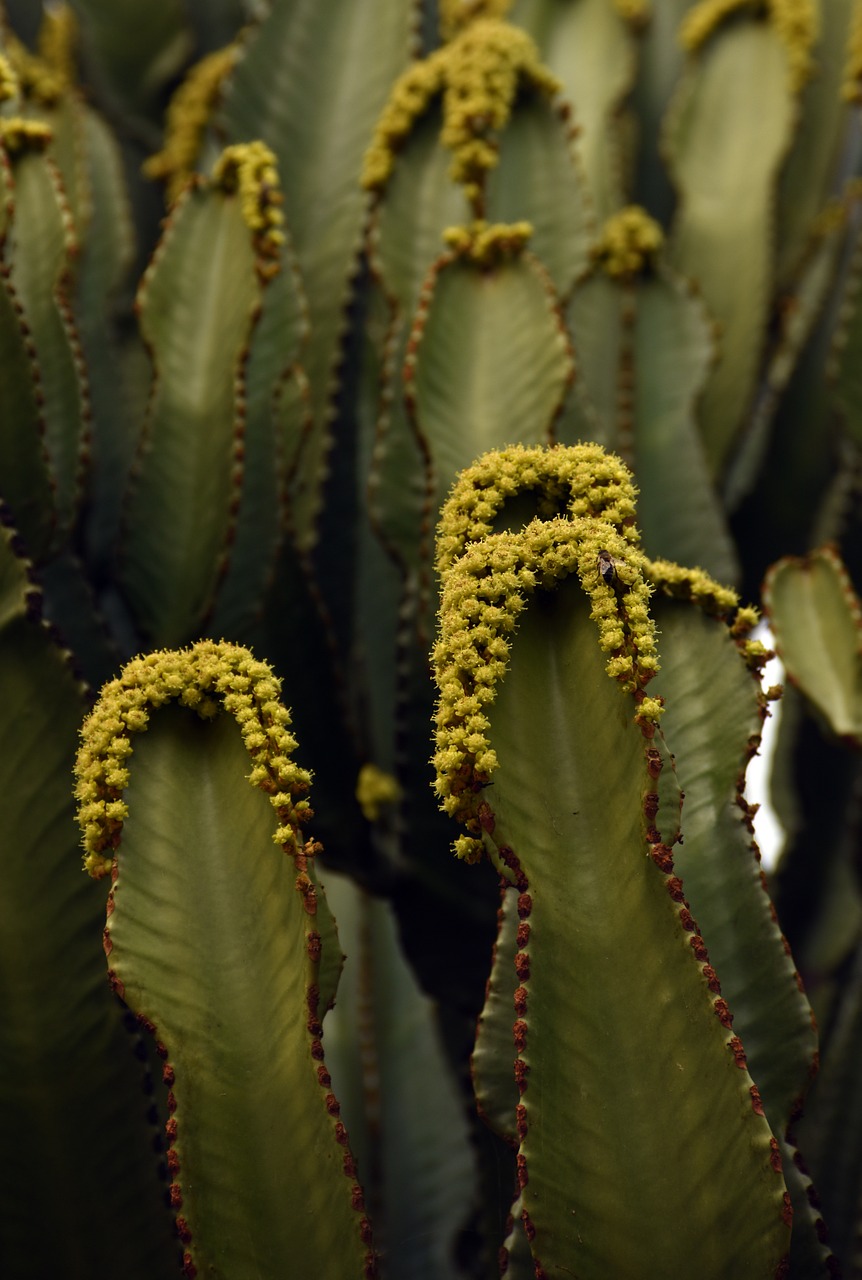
(580,480)
(205,678)
(18,134)
(697,585)
(478,74)
(488,577)
(795,21)
(9,83)
(45,76)
(376,791)
(629,243)
(251,169)
(488,243)
(188,114)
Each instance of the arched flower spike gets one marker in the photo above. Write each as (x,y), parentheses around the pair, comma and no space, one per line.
(589,500)
(225,950)
(487,579)
(206,678)
(477,75)
(606,1053)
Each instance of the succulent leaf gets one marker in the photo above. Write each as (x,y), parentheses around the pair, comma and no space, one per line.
(199,303)
(73,1102)
(815,615)
(226,973)
(38,251)
(741,75)
(591,48)
(311,84)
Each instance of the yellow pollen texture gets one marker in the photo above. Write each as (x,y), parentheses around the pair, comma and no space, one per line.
(207,678)
(250,168)
(478,75)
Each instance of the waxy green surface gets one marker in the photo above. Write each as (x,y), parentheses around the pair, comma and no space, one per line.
(643,1153)
(209,939)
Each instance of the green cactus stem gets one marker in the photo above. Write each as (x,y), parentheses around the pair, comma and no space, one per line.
(201,304)
(73,1096)
(621,1064)
(234,969)
(817,619)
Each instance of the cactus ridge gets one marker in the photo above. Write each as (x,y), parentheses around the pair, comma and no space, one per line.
(200,678)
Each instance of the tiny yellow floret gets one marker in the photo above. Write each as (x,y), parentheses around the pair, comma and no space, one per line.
(10,86)
(487,244)
(57,41)
(39,81)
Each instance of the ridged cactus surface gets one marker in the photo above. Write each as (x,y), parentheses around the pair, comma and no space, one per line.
(410,404)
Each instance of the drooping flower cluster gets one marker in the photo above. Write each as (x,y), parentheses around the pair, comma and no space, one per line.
(629,243)
(251,169)
(478,75)
(18,134)
(188,115)
(206,678)
(587,499)
(488,243)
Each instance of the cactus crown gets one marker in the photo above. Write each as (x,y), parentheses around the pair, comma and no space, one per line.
(478,73)
(201,678)
(487,578)
(629,243)
(18,134)
(250,168)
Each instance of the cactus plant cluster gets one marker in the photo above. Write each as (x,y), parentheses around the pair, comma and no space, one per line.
(406,410)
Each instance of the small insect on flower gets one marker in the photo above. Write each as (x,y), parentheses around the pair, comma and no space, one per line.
(607,567)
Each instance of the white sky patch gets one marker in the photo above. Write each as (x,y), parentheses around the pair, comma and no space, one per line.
(767,829)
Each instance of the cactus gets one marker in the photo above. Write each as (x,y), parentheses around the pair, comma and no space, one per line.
(400,405)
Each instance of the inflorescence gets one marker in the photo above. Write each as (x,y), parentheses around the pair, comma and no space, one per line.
(585,500)
(478,74)
(207,678)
